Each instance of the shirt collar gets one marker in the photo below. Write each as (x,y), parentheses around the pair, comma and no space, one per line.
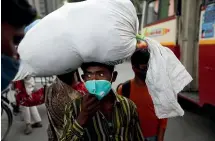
(118,98)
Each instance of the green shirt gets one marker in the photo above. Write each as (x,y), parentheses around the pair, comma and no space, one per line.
(123,127)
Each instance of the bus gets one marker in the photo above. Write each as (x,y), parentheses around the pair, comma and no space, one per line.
(187,27)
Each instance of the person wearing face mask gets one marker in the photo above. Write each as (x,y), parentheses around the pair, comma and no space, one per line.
(102,114)
(153,129)
(13,23)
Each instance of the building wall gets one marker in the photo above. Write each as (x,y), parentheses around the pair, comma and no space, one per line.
(45,7)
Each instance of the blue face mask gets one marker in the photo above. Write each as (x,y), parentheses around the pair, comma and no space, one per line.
(99,88)
(9,68)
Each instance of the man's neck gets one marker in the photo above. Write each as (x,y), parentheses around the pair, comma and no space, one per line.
(109,98)
(138,81)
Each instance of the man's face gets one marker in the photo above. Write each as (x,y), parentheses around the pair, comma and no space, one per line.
(11,37)
(99,73)
(141,71)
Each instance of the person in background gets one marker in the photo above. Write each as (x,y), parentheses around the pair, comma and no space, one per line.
(65,88)
(16,108)
(102,114)
(31,115)
(13,23)
(27,87)
(73,79)
(136,89)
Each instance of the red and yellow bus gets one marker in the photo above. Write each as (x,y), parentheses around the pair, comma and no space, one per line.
(188,28)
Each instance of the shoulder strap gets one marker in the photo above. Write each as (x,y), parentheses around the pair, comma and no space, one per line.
(126,89)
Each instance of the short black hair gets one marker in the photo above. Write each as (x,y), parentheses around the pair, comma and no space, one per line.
(17,13)
(140,56)
(84,66)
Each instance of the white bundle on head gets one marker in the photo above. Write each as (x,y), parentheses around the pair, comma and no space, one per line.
(90,31)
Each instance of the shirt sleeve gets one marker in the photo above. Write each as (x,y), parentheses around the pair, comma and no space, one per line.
(72,131)
(163,123)
(137,132)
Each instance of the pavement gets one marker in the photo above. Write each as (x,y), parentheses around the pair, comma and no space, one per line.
(193,126)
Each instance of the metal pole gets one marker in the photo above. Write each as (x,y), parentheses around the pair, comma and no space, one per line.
(143,16)
(46,7)
(34,4)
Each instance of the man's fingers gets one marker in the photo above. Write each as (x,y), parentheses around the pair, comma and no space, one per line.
(95,109)
(93,100)
(89,103)
(91,106)
(90,99)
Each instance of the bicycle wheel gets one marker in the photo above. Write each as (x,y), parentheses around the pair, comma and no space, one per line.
(2,111)
(6,121)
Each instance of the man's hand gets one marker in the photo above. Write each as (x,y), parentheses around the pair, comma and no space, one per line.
(89,106)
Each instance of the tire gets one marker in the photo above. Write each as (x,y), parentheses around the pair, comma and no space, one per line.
(5,111)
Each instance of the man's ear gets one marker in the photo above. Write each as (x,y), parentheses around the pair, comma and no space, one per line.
(134,68)
(115,73)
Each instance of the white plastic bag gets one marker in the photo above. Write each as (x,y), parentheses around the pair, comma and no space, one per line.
(94,30)
(165,78)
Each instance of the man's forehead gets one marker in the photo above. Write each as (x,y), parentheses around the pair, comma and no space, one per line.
(143,65)
(96,69)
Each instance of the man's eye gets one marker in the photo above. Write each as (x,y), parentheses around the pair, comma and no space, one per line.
(88,75)
(101,74)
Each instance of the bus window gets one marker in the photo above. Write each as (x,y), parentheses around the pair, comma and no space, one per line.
(157,10)
(152,12)
(138,4)
(171,11)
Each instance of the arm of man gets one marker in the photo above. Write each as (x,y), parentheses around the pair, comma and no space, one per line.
(71,130)
(162,129)
(137,132)
(73,122)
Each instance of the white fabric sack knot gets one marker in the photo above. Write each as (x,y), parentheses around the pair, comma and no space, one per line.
(165,78)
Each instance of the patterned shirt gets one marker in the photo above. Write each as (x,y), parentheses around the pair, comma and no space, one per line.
(57,96)
(124,125)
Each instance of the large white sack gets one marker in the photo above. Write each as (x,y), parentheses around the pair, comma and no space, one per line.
(93,30)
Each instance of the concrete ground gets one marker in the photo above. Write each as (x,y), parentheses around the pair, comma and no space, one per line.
(191,127)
